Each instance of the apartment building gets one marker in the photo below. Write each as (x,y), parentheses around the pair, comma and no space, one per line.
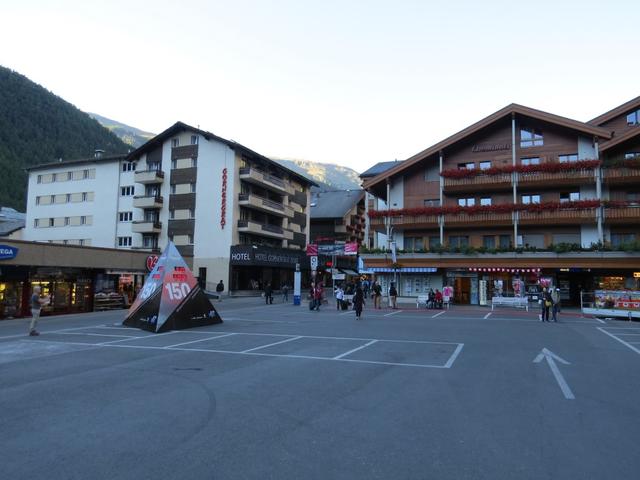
(241,217)
(505,199)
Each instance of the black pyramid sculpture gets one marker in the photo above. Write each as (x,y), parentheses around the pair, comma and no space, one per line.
(171,298)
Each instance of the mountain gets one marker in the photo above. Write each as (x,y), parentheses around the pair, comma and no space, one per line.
(328,175)
(130,135)
(36,127)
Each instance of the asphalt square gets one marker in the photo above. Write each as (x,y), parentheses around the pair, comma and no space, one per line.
(413,353)
(237,342)
(314,347)
(21,350)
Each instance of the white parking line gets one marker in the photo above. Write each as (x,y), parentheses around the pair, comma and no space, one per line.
(438,314)
(488,315)
(626,344)
(598,319)
(272,344)
(392,313)
(347,313)
(200,340)
(96,334)
(454,355)
(355,350)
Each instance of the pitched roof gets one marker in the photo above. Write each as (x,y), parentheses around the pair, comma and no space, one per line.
(334,204)
(10,226)
(485,122)
(632,104)
(378,168)
(181,126)
(76,161)
(628,135)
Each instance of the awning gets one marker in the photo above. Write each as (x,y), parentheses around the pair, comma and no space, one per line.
(349,272)
(505,269)
(404,269)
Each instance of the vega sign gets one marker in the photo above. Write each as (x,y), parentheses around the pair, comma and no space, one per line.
(7,252)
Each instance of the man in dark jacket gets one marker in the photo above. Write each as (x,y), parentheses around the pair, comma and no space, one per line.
(268,294)
(219,290)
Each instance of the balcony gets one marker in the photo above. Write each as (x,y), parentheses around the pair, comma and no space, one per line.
(264,204)
(258,177)
(621,176)
(501,181)
(151,201)
(149,176)
(146,226)
(558,217)
(548,179)
(406,221)
(462,220)
(620,216)
(264,229)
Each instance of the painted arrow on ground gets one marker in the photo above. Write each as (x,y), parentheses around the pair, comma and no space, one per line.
(551,360)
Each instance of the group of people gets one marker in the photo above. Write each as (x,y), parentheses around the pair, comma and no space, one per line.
(550,304)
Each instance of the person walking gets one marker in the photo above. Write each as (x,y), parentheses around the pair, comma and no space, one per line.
(377,295)
(37,301)
(546,304)
(268,294)
(318,295)
(339,297)
(285,293)
(555,299)
(219,290)
(358,302)
(393,295)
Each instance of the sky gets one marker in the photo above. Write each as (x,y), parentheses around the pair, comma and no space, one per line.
(346,82)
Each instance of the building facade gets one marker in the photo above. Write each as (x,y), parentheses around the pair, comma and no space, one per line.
(520,181)
(200,191)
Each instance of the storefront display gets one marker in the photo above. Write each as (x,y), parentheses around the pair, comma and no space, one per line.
(616,299)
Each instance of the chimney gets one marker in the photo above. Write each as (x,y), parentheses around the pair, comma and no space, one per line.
(98,153)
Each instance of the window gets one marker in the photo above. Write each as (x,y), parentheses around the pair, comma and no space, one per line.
(39,178)
(83,220)
(66,221)
(125,216)
(85,174)
(431,202)
(36,222)
(633,197)
(124,241)
(190,239)
(194,162)
(193,187)
(191,213)
(489,241)
(434,242)
(530,161)
(485,201)
(194,139)
(631,155)
(458,241)
(569,197)
(485,165)
(126,191)
(174,164)
(172,214)
(633,118)
(51,222)
(505,241)
(413,244)
(155,166)
(466,202)
(527,199)
(432,174)
(128,166)
(173,188)
(466,166)
(175,142)
(618,239)
(573,157)
(530,137)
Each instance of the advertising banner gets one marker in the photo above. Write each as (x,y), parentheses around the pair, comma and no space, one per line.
(618,299)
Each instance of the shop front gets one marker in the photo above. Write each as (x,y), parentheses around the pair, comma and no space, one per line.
(410,282)
(253,267)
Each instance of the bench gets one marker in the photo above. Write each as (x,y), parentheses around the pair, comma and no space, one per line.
(517,302)
(422,299)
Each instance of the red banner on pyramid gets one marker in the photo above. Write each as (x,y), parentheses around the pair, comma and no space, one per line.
(171,298)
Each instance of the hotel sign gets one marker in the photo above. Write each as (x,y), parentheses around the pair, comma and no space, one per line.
(490,147)
(7,252)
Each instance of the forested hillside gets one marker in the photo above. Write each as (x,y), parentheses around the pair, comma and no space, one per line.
(36,127)
(130,135)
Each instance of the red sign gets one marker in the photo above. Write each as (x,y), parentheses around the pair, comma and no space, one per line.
(151,262)
(223,208)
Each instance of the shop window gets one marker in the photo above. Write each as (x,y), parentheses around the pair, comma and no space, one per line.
(485,165)
(459,241)
(505,241)
(489,241)
(466,202)
(528,199)
(569,196)
(531,137)
(530,161)
(568,158)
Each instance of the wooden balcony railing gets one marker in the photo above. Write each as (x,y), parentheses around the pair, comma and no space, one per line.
(622,215)
(572,177)
(484,181)
(621,175)
(552,217)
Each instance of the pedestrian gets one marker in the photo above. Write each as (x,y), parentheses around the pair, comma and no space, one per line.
(285,293)
(438,299)
(219,290)
(546,302)
(318,295)
(377,295)
(365,288)
(268,294)
(431,299)
(312,296)
(447,293)
(555,308)
(339,297)
(393,295)
(37,301)
(358,302)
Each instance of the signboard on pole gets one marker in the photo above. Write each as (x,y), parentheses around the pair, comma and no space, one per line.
(314,262)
